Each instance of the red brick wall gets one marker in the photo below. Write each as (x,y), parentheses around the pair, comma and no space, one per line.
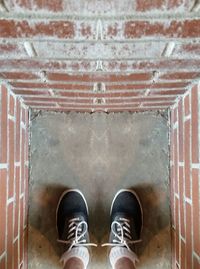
(13,181)
(185,180)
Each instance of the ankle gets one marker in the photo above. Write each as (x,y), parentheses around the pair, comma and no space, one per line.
(124,263)
(117,253)
(74,263)
(78,253)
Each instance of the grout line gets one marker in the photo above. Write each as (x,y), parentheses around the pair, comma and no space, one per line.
(3,255)
(21,195)
(10,200)
(187,200)
(175,126)
(11,117)
(23,125)
(186,118)
(15,239)
(196,256)
(196,165)
(3,166)
(182,238)
(177,195)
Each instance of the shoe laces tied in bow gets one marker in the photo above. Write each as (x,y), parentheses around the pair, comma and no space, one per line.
(76,234)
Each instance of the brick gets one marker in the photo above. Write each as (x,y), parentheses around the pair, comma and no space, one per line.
(167,92)
(196,209)
(11,159)
(172,197)
(173,247)
(171,141)
(3,200)
(54,99)
(19,75)
(27,144)
(154,100)
(169,85)
(160,104)
(31,85)
(24,28)
(183,256)
(22,160)
(11,49)
(31,92)
(33,64)
(26,195)
(3,263)
(54,5)
(21,229)
(180,129)
(187,105)
(159,5)
(10,248)
(196,263)
(26,248)
(3,124)
(187,148)
(174,28)
(11,105)
(17,133)
(40,104)
(175,143)
(78,95)
(181,202)
(146,5)
(89,66)
(189,50)
(170,64)
(188,246)
(195,124)
(90,97)
(99,77)
(53,86)
(23,115)
(75,109)
(17,196)
(177,229)
(180,75)
(16,251)
(175,116)
(102,106)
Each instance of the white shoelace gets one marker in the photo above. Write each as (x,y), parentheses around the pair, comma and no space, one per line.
(76,234)
(122,234)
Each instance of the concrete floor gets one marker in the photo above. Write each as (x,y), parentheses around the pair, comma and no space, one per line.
(99,154)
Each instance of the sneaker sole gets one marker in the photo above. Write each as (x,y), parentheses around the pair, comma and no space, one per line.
(137,197)
(63,194)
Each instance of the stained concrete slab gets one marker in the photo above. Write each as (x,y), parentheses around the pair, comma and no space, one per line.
(99,154)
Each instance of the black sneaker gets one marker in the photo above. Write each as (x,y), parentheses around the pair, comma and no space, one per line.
(126,219)
(72,219)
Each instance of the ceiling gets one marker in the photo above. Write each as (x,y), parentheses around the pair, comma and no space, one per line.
(99,55)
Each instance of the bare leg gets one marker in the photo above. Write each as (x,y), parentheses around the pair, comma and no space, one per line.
(74,263)
(124,263)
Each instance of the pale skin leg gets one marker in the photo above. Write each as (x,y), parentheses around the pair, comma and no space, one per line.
(74,263)
(124,263)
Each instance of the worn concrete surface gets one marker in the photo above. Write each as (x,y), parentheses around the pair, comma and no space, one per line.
(99,154)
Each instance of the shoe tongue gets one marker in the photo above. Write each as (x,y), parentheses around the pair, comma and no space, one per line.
(121,215)
(76,217)
(121,218)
